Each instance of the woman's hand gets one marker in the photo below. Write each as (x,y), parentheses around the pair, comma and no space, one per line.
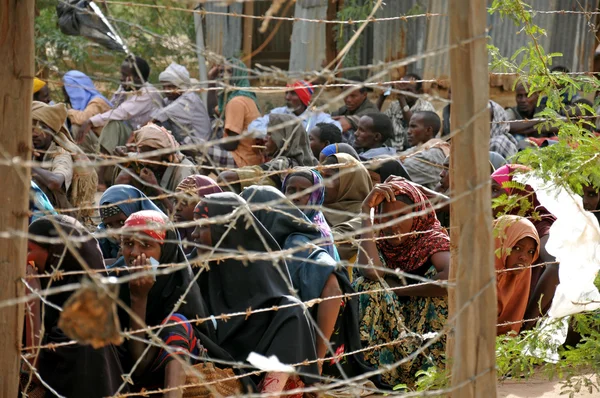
(140,287)
(148,176)
(213,72)
(30,276)
(380,193)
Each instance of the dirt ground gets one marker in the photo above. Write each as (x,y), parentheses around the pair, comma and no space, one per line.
(536,387)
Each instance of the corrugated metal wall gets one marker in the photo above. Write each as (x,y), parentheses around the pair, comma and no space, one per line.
(308,38)
(223,34)
(569,34)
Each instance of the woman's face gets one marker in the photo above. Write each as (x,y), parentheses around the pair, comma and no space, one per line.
(184,209)
(133,247)
(202,236)
(295,185)
(522,253)
(392,211)
(332,185)
(38,255)
(115,222)
(271,146)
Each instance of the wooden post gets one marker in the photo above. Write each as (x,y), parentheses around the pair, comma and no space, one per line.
(248,31)
(473,355)
(16,90)
(200,48)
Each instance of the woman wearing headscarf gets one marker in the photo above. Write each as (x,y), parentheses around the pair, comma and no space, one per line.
(517,246)
(157,175)
(67,185)
(116,204)
(232,285)
(72,370)
(184,113)
(543,279)
(347,184)
(314,275)
(237,108)
(191,190)
(287,146)
(501,140)
(86,101)
(415,245)
(168,299)
(310,203)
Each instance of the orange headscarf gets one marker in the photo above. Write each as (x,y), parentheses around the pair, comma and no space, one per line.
(512,285)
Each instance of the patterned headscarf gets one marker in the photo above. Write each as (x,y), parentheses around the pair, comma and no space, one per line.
(313,211)
(198,185)
(153,220)
(416,248)
(238,78)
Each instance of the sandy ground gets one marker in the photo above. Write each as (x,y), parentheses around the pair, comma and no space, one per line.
(534,388)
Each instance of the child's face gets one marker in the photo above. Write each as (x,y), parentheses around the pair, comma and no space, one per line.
(522,253)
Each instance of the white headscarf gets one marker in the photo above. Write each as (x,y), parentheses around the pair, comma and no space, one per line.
(176,75)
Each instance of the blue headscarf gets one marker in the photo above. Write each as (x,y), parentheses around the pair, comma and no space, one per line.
(81,89)
(39,205)
(128,200)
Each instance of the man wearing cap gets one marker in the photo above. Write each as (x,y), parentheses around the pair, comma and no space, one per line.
(184,114)
(296,104)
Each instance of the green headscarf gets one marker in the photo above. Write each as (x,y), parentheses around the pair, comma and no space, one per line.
(239,78)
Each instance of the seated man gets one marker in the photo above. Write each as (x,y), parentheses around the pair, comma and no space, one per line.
(374,130)
(64,185)
(322,135)
(297,101)
(41,92)
(526,109)
(356,105)
(157,175)
(425,160)
(134,102)
(401,110)
(185,114)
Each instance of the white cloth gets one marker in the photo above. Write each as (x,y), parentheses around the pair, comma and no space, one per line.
(188,114)
(176,75)
(309,120)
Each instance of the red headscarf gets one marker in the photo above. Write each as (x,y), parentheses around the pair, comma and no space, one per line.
(304,90)
(415,249)
(153,220)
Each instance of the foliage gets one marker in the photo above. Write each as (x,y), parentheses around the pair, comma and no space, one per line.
(352,10)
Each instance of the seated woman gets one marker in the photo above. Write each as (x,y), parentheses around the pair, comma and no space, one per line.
(72,370)
(191,190)
(168,299)
(346,186)
(236,285)
(415,245)
(544,279)
(517,247)
(287,146)
(306,190)
(314,275)
(116,204)
(156,175)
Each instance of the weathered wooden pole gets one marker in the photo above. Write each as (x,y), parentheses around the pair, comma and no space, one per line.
(473,354)
(248,29)
(16,89)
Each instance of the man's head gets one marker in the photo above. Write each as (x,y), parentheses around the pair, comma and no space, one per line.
(41,92)
(525,104)
(174,80)
(410,83)
(355,99)
(298,98)
(323,134)
(422,127)
(134,73)
(47,121)
(374,129)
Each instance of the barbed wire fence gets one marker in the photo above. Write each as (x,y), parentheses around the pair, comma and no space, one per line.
(212,255)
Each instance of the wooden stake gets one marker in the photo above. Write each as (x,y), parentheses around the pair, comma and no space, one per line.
(248,31)
(473,355)
(16,90)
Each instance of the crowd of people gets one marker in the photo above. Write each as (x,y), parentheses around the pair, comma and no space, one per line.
(215,209)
